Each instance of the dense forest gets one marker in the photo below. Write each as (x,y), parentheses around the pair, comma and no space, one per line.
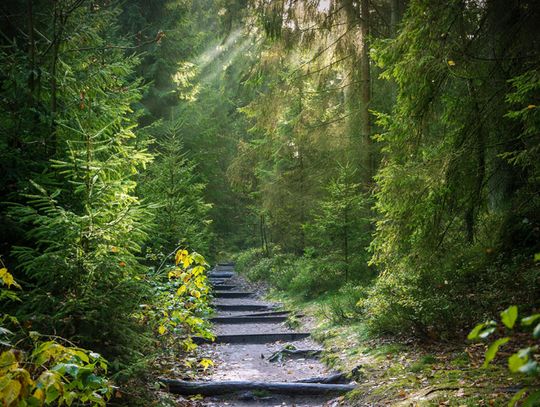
(378,160)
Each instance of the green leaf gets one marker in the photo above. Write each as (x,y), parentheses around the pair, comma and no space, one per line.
(536,332)
(532,400)
(509,316)
(530,319)
(10,392)
(513,401)
(537,257)
(493,349)
(530,368)
(480,331)
(516,361)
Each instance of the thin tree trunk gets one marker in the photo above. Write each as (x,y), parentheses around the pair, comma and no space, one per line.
(31,49)
(346,244)
(395,15)
(365,78)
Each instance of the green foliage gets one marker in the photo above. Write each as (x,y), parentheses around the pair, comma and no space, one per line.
(182,303)
(455,228)
(342,307)
(180,212)
(83,225)
(51,373)
(524,360)
(339,231)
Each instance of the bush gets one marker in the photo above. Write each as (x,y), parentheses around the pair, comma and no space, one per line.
(304,276)
(445,298)
(343,306)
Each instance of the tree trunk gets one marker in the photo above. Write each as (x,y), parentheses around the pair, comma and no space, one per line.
(365,79)
(395,16)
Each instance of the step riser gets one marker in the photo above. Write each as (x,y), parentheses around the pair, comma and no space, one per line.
(224,287)
(248,320)
(220,274)
(266,314)
(232,294)
(242,307)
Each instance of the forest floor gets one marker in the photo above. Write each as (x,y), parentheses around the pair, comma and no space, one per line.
(390,371)
(405,371)
(252,362)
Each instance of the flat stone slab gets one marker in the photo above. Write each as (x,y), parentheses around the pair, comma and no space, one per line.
(249,319)
(243,307)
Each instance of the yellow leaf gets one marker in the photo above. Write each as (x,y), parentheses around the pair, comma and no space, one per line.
(162,329)
(8,361)
(199,282)
(180,256)
(451,63)
(206,363)
(7,278)
(186,261)
(531,106)
(10,392)
(39,394)
(181,290)
(195,294)
(189,345)
(197,270)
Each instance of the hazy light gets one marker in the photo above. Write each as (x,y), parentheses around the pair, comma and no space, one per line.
(323,6)
(238,48)
(215,50)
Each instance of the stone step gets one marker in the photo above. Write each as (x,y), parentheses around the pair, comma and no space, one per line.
(255,338)
(222,286)
(220,274)
(243,307)
(265,314)
(232,294)
(249,319)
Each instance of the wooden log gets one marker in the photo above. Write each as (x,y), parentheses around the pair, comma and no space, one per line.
(255,338)
(338,378)
(228,387)
(248,319)
(232,294)
(242,307)
(294,354)
(220,274)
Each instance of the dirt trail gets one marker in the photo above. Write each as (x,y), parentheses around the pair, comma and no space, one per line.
(250,361)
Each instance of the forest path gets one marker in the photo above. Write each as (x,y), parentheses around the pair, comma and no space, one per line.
(248,332)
